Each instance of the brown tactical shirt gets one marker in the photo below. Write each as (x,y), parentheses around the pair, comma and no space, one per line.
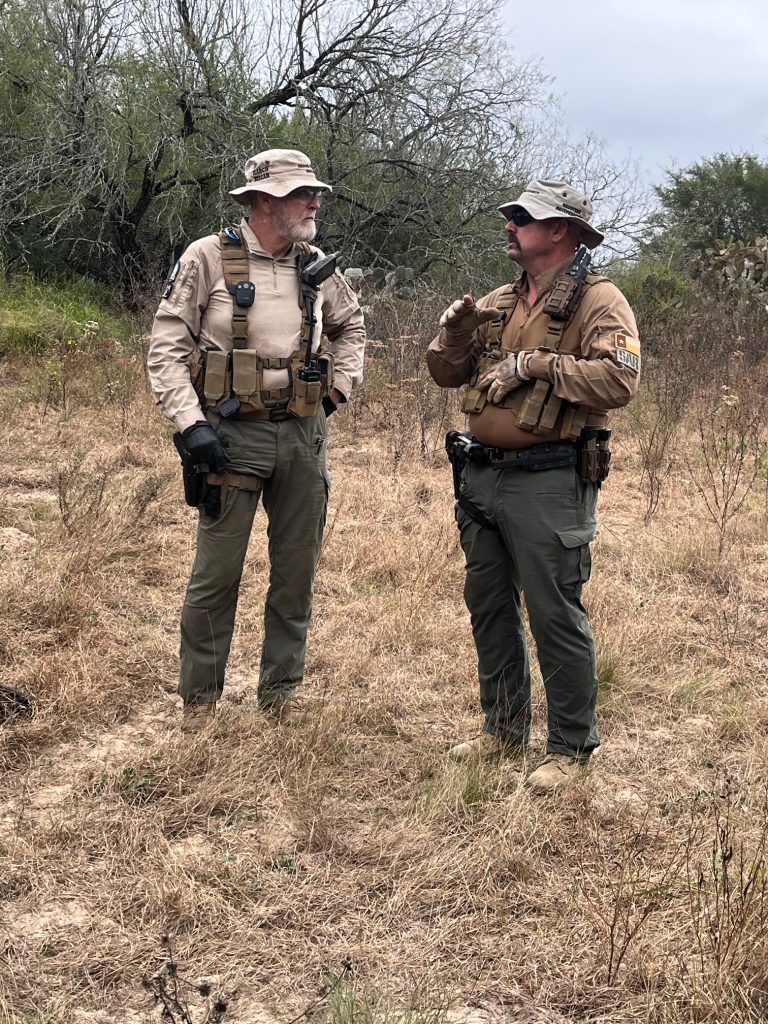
(597,363)
(195,314)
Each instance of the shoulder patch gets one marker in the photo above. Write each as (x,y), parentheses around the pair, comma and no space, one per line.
(629,359)
(626,341)
(173,273)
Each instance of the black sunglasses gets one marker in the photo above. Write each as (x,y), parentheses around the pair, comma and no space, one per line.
(520,218)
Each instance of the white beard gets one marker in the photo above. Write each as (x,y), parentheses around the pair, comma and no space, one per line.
(293,229)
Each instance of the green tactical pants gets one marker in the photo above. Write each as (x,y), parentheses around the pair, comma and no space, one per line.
(544,523)
(289,458)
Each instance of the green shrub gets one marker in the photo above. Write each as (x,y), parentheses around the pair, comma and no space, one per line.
(36,316)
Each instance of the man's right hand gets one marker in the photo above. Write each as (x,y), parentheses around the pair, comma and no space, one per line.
(463,317)
(204,445)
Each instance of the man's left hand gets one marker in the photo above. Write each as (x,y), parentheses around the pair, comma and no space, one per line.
(504,378)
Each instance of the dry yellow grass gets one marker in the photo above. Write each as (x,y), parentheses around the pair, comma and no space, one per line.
(337,867)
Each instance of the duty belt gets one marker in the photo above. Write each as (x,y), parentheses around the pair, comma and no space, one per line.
(534,458)
(463,447)
(262,415)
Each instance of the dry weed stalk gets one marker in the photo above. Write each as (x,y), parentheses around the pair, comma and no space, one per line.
(631,877)
(656,415)
(730,456)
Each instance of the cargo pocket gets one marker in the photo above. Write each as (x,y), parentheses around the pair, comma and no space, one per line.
(577,560)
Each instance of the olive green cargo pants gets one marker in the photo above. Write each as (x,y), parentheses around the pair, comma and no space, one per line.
(289,458)
(545,521)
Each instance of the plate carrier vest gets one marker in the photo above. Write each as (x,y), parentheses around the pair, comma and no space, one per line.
(233,382)
(534,405)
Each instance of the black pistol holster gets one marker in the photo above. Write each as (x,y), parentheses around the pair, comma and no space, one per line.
(463,448)
(194,475)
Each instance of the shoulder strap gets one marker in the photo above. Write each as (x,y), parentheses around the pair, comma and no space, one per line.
(506,303)
(234,260)
(307,299)
(563,301)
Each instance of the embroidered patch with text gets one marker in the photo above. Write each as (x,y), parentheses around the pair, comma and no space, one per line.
(628,359)
(173,273)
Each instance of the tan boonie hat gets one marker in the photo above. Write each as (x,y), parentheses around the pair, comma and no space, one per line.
(277,172)
(547,199)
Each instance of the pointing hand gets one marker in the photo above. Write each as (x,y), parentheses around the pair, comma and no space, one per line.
(464,317)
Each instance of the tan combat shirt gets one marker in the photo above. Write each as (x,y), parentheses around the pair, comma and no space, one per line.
(597,363)
(196,313)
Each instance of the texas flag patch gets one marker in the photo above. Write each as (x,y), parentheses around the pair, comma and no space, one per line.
(627,351)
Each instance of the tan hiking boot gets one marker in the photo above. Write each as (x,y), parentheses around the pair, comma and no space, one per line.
(483,748)
(554,771)
(197,717)
(281,707)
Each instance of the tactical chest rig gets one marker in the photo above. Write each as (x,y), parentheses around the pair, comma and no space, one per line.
(233,382)
(534,406)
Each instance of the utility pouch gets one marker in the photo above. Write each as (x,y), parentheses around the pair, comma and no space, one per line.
(593,456)
(216,377)
(573,422)
(549,414)
(530,413)
(558,303)
(247,377)
(325,365)
(306,397)
(474,399)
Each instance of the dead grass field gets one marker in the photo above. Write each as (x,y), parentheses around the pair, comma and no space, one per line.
(337,868)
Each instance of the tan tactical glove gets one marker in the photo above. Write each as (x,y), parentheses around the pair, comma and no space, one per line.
(462,318)
(506,375)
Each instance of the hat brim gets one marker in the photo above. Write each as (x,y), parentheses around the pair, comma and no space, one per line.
(590,236)
(278,189)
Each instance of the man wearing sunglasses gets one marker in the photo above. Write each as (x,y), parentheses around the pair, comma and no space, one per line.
(545,360)
(255,342)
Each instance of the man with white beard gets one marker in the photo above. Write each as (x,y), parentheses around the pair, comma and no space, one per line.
(236,362)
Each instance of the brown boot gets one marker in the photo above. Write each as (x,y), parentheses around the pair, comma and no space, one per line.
(484,747)
(280,707)
(197,717)
(555,770)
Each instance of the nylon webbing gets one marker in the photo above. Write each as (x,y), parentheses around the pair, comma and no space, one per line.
(234,259)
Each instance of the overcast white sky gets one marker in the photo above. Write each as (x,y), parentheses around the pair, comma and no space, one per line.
(665,81)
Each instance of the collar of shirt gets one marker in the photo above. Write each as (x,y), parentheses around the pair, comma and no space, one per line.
(254,245)
(544,282)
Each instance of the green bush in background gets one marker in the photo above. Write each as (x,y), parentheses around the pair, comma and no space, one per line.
(36,316)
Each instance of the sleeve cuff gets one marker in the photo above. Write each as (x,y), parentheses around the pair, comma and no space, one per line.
(343,384)
(188,419)
(540,363)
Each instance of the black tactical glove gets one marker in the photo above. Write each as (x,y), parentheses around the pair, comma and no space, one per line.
(204,445)
(329,406)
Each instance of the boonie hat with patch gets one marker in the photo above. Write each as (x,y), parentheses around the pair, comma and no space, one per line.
(547,199)
(277,172)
